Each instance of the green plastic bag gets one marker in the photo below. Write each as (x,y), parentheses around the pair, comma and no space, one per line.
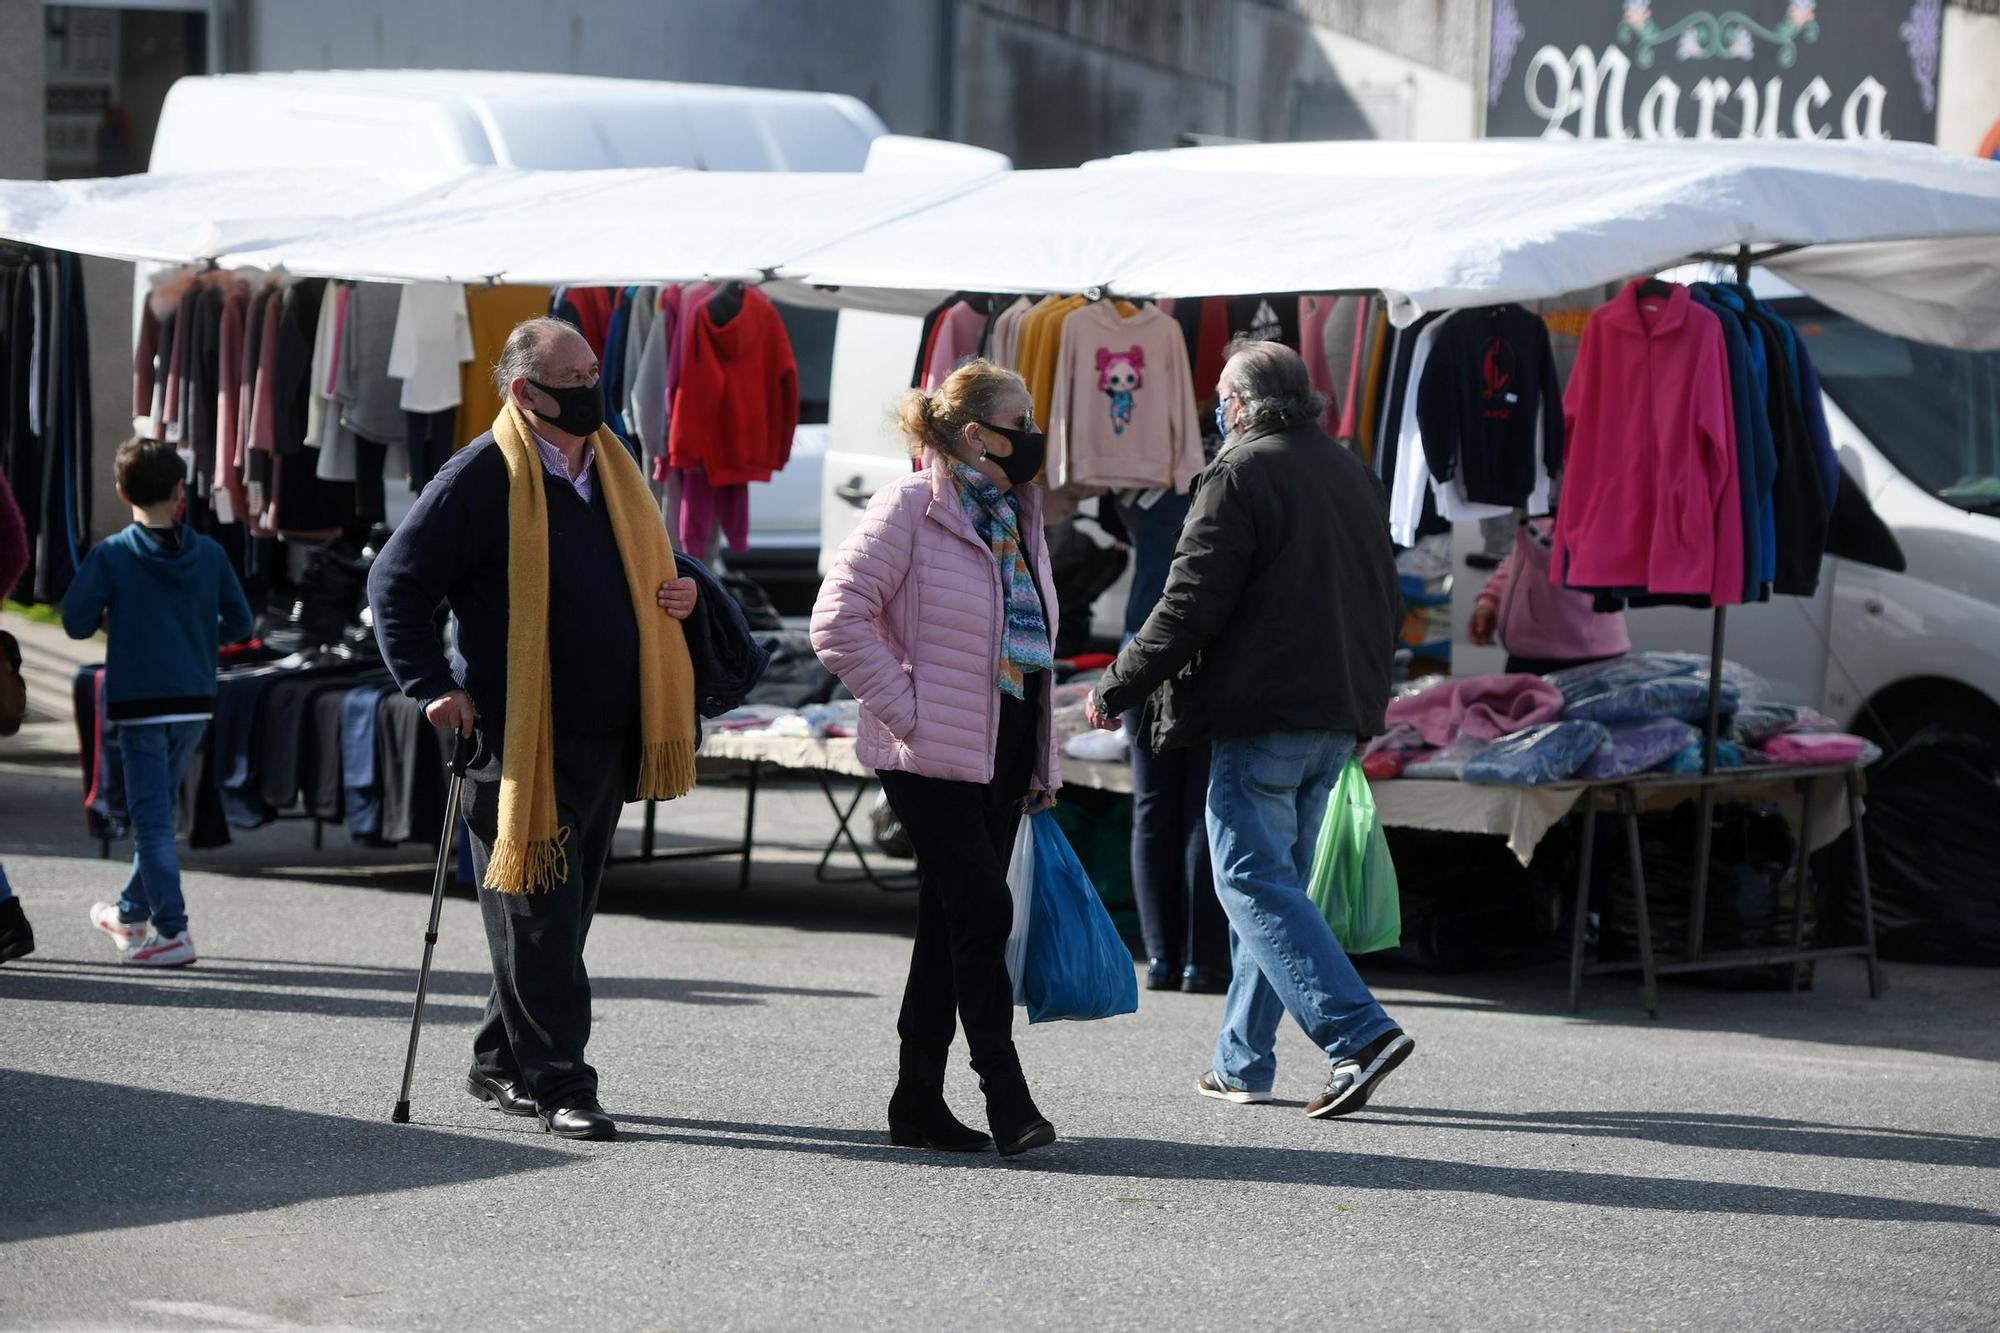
(1353,880)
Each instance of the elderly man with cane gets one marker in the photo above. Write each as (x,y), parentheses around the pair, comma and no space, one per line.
(1274,640)
(544,541)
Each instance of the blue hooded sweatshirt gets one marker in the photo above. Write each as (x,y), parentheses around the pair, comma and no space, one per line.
(169,612)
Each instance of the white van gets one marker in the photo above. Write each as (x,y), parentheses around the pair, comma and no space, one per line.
(446,120)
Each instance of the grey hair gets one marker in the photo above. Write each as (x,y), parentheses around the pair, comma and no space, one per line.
(521,358)
(1269,379)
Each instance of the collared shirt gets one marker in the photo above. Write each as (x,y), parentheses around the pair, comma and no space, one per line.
(557,465)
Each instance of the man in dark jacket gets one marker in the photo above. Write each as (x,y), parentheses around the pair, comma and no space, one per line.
(1274,641)
(527,1056)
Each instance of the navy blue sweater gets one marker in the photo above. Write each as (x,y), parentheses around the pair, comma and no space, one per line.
(168,612)
(452,550)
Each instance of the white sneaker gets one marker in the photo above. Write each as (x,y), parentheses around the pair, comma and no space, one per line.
(163,951)
(127,937)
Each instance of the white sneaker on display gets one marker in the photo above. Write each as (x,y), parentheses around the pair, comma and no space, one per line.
(127,937)
(163,951)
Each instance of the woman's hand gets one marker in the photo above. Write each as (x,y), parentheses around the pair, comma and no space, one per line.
(1037,802)
(677,597)
(1484,621)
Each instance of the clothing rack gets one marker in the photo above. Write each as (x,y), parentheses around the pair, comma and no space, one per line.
(1710,783)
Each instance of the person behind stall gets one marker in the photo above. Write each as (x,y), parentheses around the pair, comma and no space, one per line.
(1273,641)
(544,541)
(1544,627)
(168,601)
(1180,918)
(17,937)
(937,615)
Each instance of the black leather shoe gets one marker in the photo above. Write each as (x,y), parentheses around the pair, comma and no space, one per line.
(503,1094)
(919,1118)
(1162,975)
(17,937)
(582,1119)
(1204,980)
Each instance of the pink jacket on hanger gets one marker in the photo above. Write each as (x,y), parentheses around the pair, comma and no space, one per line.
(910,618)
(1650,492)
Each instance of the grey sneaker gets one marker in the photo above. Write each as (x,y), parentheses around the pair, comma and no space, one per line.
(1211,1085)
(1352,1081)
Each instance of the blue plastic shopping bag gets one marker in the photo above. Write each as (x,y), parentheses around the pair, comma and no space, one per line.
(1076,966)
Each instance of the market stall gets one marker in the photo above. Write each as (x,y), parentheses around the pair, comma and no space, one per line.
(1433,227)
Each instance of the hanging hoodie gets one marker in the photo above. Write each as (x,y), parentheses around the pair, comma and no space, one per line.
(736,404)
(1123,413)
(168,607)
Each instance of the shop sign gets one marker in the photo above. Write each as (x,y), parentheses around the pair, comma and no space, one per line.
(1766,69)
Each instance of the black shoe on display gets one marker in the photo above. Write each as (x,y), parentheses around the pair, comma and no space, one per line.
(503,1094)
(17,937)
(919,1118)
(1162,975)
(1204,980)
(583,1118)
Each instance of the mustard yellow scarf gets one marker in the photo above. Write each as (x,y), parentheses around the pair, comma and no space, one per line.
(530,854)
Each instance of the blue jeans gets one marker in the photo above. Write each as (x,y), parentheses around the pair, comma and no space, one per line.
(1267,796)
(157,755)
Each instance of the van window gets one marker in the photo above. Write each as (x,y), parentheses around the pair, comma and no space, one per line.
(1933,411)
(811,332)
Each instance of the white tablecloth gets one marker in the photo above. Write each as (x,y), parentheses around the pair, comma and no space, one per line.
(1521,815)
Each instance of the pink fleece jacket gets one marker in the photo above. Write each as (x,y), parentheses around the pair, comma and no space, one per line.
(1481,707)
(1534,617)
(1649,498)
(910,618)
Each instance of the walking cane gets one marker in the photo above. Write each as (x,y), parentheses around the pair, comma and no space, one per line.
(463,749)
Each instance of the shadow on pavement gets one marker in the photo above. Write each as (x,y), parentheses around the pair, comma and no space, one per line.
(1921,1013)
(1152,1159)
(215,1158)
(1742,1133)
(268,987)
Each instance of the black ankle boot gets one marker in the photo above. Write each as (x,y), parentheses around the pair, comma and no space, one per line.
(1017,1123)
(17,937)
(918,1115)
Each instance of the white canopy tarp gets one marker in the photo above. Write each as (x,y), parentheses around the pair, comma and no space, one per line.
(1433,225)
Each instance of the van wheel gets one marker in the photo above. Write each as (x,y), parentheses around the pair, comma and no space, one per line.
(1980,723)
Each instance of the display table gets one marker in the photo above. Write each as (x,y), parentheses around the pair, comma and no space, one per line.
(1819,803)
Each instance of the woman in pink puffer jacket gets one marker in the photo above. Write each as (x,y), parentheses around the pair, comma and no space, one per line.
(937,615)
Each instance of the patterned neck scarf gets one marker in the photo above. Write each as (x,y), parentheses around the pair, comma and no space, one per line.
(1024,646)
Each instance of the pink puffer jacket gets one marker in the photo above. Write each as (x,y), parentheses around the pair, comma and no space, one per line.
(910,620)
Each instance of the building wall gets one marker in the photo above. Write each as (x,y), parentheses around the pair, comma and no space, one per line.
(882,51)
(23,92)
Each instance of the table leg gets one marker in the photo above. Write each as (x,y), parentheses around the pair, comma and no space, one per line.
(319,834)
(1876,984)
(1579,929)
(648,832)
(1801,879)
(1649,981)
(749,827)
(846,833)
(1704,848)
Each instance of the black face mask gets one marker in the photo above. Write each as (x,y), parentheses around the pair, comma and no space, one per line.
(1031,450)
(579,411)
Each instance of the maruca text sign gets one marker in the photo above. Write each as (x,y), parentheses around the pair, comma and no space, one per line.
(1624,69)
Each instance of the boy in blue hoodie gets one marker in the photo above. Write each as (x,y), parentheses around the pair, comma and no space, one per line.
(169,601)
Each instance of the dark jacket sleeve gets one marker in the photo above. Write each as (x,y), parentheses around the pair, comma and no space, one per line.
(1212,561)
(87,598)
(1438,411)
(237,618)
(409,581)
(13,541)
(1552,403)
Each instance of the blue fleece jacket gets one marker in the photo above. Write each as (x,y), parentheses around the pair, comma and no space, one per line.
(168,613)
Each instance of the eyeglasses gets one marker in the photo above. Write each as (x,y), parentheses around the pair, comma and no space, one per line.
(1015,434)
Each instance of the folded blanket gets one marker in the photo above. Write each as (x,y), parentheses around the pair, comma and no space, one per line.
(1478,708)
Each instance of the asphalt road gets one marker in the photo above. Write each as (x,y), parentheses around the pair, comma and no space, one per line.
(211,1148)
